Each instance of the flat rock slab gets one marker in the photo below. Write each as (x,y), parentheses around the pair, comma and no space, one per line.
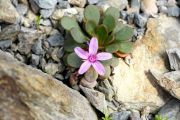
(133,84)
(29,94)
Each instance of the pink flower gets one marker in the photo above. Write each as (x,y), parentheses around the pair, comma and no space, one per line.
(92,58)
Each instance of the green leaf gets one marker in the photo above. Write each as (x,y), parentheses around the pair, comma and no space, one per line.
(110,22)
(91,13)
(101,33)
(110,39)
(70,44)
(114,61)
(113,12)
(68,23)
(124,34)
(125,47)
(112,47)
(118,27)
(77,35)
(90,27)
(73,60)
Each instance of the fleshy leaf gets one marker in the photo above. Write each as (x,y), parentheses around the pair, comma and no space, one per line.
(114,61)
(114,12)
(112,47)
(77,35)
(124,34)
(125,47)
(73,60)
(68,23)
(91,13)
(118,27)
(101,33)
(110,22)
(90,27)
(69,45)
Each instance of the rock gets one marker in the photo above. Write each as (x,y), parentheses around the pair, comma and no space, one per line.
(45,22)
(171,110)
(58,14)
(174,58)
(27,94)
(173,11)
(37,48)
(106,88)
(46,13)
(63,4)
(119,4)
(93,2)
(10,32)
(130,18)
(14,2)
(54,55)
(79,3)
(151,49)
(60,53)
(96,98)
(59,77)
(22,9)
(123,14)
(145,113)
(123,115)
(163,9)
(161,2)
(8,12)
(51,68)
(4,44)
(149,7)
(135,5)
(169,81)
(35,60)
(26,41)
(135,115)
(20,57)
(25,2)
(140,20)
(45,4)
(56,40)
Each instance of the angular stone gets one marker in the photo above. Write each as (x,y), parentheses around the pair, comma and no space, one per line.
(46,13)
(93,1)
(56,40)
(96,98)
(51,68)
(35,60)
(79,3)
(134,84)
(46,4)
(169,81)
(173,11)
(10,32)
(171,110)
(149,7)
(5,44)
(28,94)
(37,48)
(174,58)
(22,9)
(123,115)
(8,12)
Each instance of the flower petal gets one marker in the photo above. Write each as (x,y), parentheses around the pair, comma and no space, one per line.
(81,53)
(99,68)
(84,67)
(93,46)
(104,56)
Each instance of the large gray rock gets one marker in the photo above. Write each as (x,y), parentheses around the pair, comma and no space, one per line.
(171,110)
(133,84)
(8,12)
(29,94)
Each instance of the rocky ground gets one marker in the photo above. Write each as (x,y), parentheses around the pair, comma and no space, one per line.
(141,86)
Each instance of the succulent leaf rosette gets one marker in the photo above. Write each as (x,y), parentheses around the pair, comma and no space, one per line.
(112,37)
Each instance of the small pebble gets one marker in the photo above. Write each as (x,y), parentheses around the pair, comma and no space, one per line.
(46,13)
(22,9)
(37,48)
(56,40)
(140,20)
(51,68)
(174,11)
(35,60)
(4,44)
